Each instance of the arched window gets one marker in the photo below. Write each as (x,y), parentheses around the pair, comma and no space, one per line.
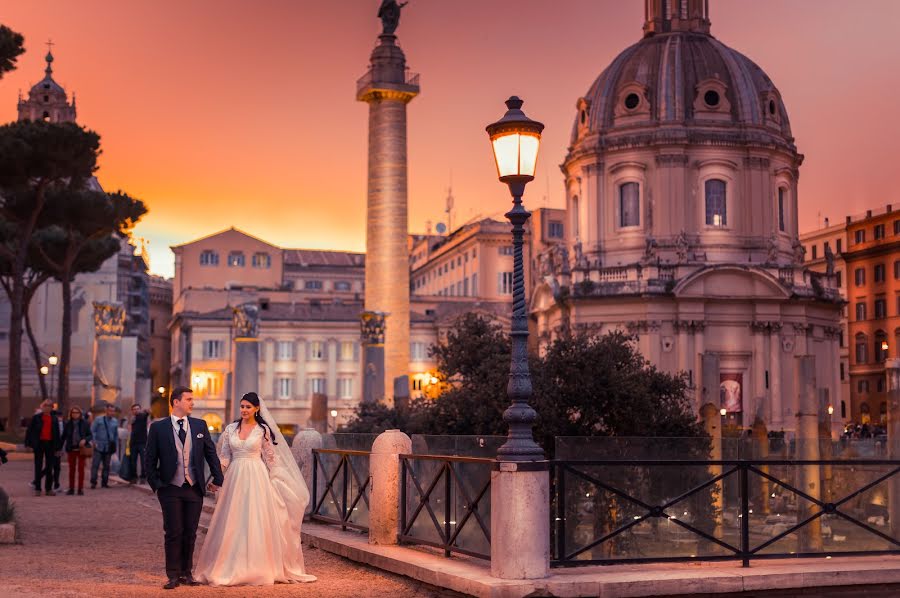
(861,344)
(629,205)
(716,203)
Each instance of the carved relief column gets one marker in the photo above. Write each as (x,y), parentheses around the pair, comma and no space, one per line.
(776,412)
(372,338)
(109,326)
(246,356)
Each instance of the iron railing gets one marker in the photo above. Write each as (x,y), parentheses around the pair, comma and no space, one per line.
(337,495)
(459,504)
(706,493)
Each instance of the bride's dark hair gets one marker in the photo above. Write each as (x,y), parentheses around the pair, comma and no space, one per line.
(253,399)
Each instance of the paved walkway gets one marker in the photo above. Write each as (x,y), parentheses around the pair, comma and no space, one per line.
(109,543)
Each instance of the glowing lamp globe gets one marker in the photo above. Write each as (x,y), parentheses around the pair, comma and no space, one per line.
(53,359)
(515,139)
(722,411)
(45,370)
(884,346)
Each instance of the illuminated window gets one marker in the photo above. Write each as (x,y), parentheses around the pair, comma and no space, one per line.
(236,259)
(348,351)
(716,203)
(262,260)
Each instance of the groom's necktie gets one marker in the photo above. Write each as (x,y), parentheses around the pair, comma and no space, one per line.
(181,433)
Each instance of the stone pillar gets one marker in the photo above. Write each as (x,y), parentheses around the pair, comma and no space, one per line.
(372,328)
(384,486)
(892,372)
(305,441)
(109,327)
(520,520)
(761,452)
(809,476)
(776,412)
(246,356)
(712,422)
(267,388)
(387,88)
(759,367)
(331,375)
(699,349)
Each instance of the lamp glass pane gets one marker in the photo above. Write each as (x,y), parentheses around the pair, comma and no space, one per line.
(506,153)
(528,151)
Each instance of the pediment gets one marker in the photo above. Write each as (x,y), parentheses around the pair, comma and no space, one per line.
(731,282)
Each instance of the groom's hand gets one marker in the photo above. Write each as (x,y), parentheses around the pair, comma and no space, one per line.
(212,487)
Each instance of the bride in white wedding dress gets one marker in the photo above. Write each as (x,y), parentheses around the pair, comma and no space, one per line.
(254,535)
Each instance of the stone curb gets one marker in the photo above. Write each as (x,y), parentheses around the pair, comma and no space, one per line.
(473,576)
(7,533)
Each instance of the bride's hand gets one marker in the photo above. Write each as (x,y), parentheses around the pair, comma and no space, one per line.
(212,487)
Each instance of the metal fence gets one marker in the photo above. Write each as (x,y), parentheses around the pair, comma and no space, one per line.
(339,488)
(445,503)
(605,512)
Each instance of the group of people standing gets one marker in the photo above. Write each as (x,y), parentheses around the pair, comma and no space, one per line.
(81,436)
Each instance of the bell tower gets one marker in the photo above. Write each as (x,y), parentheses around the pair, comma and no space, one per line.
(47,99)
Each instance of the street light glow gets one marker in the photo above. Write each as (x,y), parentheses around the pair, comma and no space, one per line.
(333,413)
(515,140)
(722,411)
(45,370)
(53,359)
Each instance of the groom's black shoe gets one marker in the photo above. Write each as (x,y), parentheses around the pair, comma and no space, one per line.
(171,585)
(188,580)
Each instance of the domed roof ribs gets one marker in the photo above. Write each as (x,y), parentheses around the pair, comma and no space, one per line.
(664,16)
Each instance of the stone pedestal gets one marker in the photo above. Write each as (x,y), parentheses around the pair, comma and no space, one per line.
(305,442)
(372,338)
(892,372)
(520,520)
(109,327)
(808,476)
(246,357)
(384,486)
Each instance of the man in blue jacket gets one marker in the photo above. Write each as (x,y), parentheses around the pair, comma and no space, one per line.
(104,434)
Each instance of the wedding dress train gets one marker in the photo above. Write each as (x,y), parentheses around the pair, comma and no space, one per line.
(254,535)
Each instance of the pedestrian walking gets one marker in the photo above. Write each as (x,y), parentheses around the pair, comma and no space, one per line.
(44,439)
(76,440)
(104,436)
(137,442)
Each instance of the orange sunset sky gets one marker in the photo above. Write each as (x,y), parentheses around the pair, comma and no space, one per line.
(222,113)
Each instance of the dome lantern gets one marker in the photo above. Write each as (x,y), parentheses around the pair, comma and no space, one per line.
(664,16)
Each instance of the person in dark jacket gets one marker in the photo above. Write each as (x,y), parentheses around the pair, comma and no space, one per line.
(43,438)
(76,435)
(137,442)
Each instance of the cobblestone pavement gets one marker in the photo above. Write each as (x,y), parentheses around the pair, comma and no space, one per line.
(109,543)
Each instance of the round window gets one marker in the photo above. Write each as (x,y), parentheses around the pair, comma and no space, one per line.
(711,98)
(632,101)
(772,107)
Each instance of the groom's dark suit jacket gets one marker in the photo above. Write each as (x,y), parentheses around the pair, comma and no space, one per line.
(162,454)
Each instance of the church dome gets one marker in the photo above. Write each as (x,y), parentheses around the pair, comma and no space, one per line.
(679,74)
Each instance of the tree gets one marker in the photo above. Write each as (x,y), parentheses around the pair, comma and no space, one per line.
(11,46)
(35,159)
(80,230)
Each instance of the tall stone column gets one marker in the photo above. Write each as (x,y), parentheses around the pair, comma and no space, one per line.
(776,413)
(892,372)
(246,356)
(699,349)
(759,330)
(387,88)
(109,327)
(372,338)
(808,450)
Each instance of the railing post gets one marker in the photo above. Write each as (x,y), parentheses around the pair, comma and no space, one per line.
(403,502)
(560,512)
(315,483)
(384,486)
(345,463)
(745,514)
(305,442)
(448,497)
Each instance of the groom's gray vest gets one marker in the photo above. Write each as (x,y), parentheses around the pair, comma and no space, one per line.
(182,471)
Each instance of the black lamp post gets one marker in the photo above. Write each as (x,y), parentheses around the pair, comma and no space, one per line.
(515,139)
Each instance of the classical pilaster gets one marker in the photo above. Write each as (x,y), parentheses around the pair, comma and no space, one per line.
(331,378)
(300,391)
(776,413)
(268,381)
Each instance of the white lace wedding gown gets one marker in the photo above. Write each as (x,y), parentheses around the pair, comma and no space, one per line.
(254,535)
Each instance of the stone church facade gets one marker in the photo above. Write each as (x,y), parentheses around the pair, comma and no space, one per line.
(681,194)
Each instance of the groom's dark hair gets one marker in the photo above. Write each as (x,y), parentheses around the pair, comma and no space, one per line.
(176,394)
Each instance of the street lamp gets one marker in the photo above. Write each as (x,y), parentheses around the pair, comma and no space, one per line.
(334,420)
(515,140)
(45,370)
(723,412)
(53,359)
(161,390)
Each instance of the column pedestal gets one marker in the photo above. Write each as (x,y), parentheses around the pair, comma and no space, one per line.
(520,521)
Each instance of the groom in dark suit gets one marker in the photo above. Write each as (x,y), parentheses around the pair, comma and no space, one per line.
(176,449)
